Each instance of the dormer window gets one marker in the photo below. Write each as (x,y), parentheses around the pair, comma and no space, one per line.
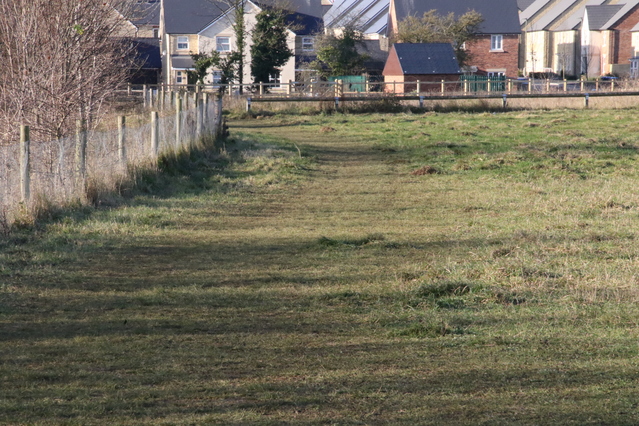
(183,43)
(496,43)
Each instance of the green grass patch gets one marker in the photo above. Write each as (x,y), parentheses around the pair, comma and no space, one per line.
(435,268)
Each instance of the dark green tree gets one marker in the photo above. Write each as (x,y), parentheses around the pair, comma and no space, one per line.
(201,64)
(227,64)
(338,55)
(269,50)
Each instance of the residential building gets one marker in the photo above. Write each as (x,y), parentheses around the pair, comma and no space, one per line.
(424,62)
(573,37)
(607,38)
(202,26)
(495,49)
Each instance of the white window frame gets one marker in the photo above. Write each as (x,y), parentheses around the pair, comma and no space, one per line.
(223,44)
(275,80)
(496,73)
(216,77)
(308,44)
(634,67)
(496,43)
(182,43)
(179,77)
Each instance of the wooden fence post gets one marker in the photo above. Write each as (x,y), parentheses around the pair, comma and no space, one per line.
(81,157)
(155,134)
(419,87)
(122,139)
(161,98)
(443,87)
(199,123)
(205,112)
(25,167)
(178,122)
(144,95)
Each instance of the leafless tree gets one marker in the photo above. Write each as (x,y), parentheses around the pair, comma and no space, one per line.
(61,59)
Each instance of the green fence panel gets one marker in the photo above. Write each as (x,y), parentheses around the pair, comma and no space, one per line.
(479,83)
(352,83)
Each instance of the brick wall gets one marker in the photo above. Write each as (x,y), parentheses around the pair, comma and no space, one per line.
(428,83)
(485,59)
(623,51)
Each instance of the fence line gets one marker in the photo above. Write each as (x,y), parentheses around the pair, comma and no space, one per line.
(153,94)
(61,170)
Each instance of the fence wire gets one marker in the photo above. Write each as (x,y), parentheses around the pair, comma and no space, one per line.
(54,164)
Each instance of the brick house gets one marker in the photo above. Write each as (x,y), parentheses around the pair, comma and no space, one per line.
(607,42)
(424,62)
(494,51)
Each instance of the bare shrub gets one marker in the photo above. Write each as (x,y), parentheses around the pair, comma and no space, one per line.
(61,59)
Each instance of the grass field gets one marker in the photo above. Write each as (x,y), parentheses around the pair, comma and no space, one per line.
(342,269)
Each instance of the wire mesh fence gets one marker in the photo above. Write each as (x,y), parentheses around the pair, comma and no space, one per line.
(55,167)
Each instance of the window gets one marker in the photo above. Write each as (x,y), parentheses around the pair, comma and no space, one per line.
(496,73)
(275,79)
(178,77)
(183,43)
(634,67)
(223,44)
(217,77)
(497,42)
(308,44)
(156,33)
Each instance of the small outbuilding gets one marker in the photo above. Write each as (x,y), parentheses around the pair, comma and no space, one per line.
(408,63)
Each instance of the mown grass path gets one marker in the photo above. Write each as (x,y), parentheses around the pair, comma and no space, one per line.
(437,269)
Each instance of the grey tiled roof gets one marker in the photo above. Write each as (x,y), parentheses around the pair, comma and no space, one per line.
(427,58)
(181,62)
(500,16)
(191,16)
(146,13)
(524,4)
(147,52)
(598,16)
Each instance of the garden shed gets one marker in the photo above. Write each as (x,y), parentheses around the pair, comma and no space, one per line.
(408,63)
